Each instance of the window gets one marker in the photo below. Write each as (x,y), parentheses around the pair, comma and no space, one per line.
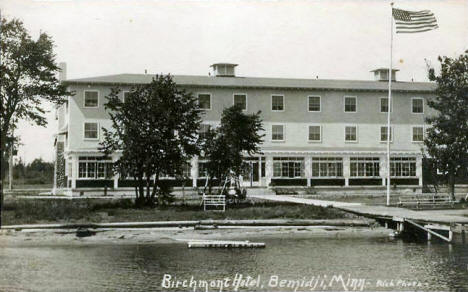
(314,103)
(417,105)
(350,134)
(315,133)
(384,132)
(241,100)
(384,105)
(91,99)
(125,95)
(204,101)
(277,103)
(91,131)
(94,167)
(327,166)
(202,169)
(365,166)
(418,134)
(350,104)
(277,133)
(204,129)
(187,170)
(289,167)
(402,166)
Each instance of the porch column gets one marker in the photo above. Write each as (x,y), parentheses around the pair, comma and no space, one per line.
(419,169)
(194,171)
(116,175)
(308,169)
(268,169)
(383,169)
(74,159)
(346,170)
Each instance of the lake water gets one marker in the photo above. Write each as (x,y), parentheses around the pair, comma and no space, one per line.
(303,264)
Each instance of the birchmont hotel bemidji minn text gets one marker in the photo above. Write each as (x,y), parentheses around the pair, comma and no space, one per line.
(319,133)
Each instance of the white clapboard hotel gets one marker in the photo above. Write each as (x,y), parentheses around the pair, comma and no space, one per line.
(317,132)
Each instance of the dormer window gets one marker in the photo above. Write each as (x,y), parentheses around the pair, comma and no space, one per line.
(224,70)
(381,74)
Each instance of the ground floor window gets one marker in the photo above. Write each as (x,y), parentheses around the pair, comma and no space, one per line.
(327,166)
(365,166)
(288,167)
(94,167)
(203,169)
(403,166)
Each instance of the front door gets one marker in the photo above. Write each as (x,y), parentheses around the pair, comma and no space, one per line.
(251,174)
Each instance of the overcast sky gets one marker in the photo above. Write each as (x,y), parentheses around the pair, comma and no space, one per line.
(296,39)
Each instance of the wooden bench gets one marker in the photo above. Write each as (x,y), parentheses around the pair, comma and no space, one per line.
(419,201)
(214,200)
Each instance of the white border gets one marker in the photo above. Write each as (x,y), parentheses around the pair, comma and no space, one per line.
(84,98)
(380,105)
(246,100)
(308,103)
(392,128)
(421,98)
(271,103)
(98,130)
(284,132)
(412,134)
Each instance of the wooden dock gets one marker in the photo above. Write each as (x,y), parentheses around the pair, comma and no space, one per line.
(448,227)
(224,244)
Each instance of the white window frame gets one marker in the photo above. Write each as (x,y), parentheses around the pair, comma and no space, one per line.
(391,134)
(344,103)
(284,133)
(271,103)
(84,98)
(308,133)
(357,134)
(211,100)
(380,105)
(98,131)
(246,100)
(412,100)
(412,134)
(123,94)
(308,103)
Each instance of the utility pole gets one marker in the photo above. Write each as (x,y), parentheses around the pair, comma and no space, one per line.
(10,167)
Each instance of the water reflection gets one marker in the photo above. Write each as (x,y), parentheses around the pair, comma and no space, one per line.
(141,267)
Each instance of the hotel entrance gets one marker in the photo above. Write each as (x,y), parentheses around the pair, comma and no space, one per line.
(251,174)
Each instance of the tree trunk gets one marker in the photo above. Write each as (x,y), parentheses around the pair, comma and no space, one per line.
(2,171)
(451,185)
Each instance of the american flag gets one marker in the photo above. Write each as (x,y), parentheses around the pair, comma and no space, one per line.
(414,21)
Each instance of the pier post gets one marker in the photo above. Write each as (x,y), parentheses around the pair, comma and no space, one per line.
(450,235)
(429,236)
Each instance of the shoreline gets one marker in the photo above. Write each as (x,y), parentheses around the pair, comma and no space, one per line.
(181,235)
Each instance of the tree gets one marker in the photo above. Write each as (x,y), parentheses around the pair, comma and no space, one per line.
(447,139)
(226,146)
(155,131)
(28,77)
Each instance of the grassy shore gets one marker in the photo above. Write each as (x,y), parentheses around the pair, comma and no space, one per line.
(30,211)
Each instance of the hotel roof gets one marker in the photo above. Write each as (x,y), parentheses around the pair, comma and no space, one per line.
(257,82)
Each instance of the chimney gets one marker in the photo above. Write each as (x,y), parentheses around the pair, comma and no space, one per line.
(63,71)
(224,70)
(381,74)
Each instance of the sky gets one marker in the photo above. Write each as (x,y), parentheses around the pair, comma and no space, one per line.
(331,39)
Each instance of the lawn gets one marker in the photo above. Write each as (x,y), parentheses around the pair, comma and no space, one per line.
(29,211)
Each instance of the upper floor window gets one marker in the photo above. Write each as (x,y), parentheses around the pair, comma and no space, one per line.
(315,133)
(314,104)
(241,101)
(418,134)
(277,132)
(91,98)
(384,105)
(125,95)
(277,102)
(384,133)
(350,134)
(91,131)
(417,105)
(204,101)
(350,104)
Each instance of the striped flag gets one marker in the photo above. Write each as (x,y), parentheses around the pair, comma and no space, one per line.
(414,21)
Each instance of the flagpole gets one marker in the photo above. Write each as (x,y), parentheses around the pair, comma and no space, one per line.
(389,104)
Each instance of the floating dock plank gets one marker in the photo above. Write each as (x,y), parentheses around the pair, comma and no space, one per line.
(224,244)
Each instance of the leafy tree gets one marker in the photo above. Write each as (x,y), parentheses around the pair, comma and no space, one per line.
(155,130)
(225,146)
(447,138)
(28,77)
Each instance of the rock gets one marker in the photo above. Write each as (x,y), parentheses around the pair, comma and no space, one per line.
(84,232)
